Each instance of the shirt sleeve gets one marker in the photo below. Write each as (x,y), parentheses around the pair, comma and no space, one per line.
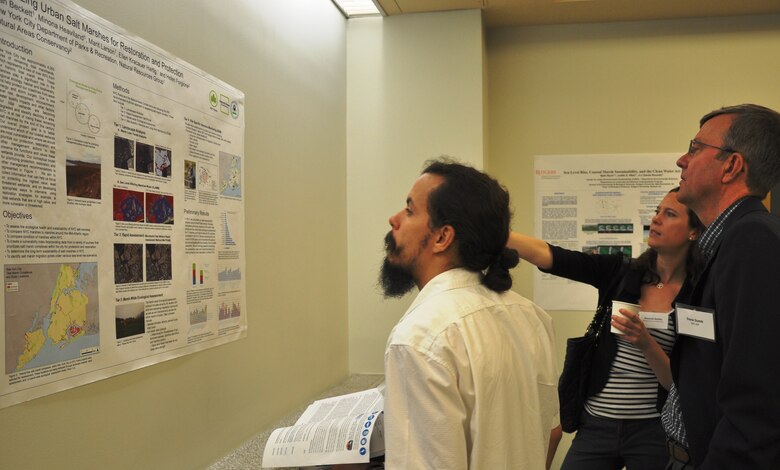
(425,418)
(595,270)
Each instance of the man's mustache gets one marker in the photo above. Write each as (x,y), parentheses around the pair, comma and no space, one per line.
(390,245)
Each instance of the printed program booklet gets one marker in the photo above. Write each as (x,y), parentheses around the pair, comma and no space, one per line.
(338,430)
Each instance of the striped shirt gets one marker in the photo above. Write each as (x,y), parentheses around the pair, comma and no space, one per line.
(631,391)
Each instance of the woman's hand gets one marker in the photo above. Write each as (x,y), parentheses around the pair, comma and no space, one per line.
(633,328)
(636,333)
(533,250)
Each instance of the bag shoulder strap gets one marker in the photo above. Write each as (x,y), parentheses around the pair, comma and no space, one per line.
(605,304)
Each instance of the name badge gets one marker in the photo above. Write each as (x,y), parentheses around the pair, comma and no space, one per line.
(697,322)
(655,320)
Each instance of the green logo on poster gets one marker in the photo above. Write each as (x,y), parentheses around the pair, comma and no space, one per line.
(234,109)
(213,99)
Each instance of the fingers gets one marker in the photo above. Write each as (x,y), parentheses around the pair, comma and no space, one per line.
(625,319)
(629,320)
(621,324)
(632,327)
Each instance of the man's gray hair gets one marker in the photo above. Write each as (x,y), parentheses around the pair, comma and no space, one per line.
(754,133)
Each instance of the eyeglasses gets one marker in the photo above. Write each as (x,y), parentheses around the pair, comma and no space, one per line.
(694,144)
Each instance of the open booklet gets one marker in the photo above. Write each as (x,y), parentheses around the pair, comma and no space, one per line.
(338,430)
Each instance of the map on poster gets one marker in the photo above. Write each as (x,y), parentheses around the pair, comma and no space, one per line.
(121,186)
(230,172)
(42,330)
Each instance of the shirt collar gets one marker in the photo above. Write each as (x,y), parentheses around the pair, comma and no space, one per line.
(452,279)
(710,237)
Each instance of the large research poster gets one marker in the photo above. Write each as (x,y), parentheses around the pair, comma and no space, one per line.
(599,204)
(122,202)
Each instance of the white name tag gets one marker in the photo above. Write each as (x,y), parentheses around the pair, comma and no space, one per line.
(696,322)
(656,320)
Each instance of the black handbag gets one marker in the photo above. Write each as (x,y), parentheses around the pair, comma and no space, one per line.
(573,383)
(578,363)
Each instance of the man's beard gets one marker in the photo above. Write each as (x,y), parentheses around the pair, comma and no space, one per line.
(396,281)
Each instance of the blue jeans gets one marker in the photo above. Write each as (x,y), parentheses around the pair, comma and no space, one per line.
(611,444)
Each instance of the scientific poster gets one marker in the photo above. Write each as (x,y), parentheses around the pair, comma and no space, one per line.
(122,202)
(597,204)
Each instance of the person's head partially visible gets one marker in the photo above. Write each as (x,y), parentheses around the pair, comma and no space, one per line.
(455,217)
(674,230)
(674,227)
(736,153)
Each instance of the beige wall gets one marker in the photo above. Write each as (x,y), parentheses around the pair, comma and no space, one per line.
(615,88)
(289,58)
(326,167)
(415,92)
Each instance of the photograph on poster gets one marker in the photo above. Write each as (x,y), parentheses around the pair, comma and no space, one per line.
(128,205)
(124,153)
(128,263)
(162,162)
(82,175)
(158,262)
(130,320)
(159,209)
(144,158)
(189,174)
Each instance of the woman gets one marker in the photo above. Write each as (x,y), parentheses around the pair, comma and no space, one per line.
(620,425)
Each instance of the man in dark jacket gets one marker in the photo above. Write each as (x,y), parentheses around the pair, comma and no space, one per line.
(723,411)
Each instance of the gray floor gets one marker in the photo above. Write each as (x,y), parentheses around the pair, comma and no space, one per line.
(250,454)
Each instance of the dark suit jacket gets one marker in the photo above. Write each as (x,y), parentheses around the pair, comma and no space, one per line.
(730,389)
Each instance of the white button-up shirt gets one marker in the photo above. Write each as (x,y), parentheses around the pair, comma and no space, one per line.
(471,380)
